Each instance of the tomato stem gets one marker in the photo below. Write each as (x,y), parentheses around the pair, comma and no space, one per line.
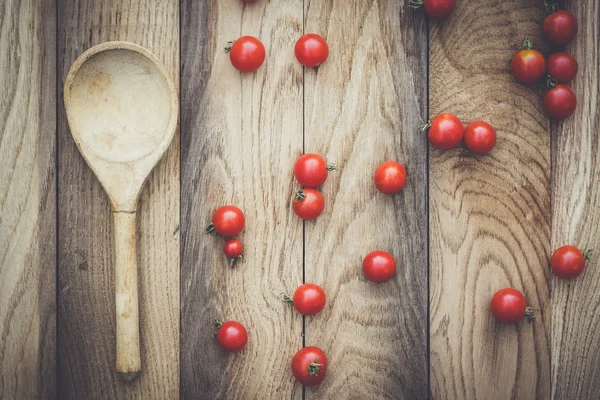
(530,313)
(287,299)
(332,167)
(314,367)
(552,7)
(550,82)
(234,259)
(229,45)
(210,229)
(415,3)
(218,323)
(527,44)
(425,127)
(300,195)
(587,254)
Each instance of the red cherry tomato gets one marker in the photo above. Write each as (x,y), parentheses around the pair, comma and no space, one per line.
(390,177)
(231,335)
(480,137)
(509,306)
(528,65)
(227,221)
(445,131)
(379,266)
(562,67)
(311,50)
(247,54)
(560,101)
(311,170)
(568,262)
(308,299)
(560,27)
(308,204)
(309,366)
(233,250)
(435,9)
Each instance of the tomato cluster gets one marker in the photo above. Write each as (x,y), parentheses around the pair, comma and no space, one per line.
(530,66)
(228,221)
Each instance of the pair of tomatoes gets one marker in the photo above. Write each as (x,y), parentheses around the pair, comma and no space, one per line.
(248,53)
(311,171)
(435,9)
(228,221)
(446,131)
(509,305)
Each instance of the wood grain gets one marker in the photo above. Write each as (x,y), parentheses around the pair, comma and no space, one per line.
(241,134)
(575,220)
(363,107)
(27,199)
(489,215)
(86,328)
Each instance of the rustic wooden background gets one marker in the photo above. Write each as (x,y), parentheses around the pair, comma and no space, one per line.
(463,227)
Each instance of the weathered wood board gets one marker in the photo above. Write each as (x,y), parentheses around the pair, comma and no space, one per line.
(241,134)
(27,200)
(575,220)
(86,288)
(363,107)
(489,223)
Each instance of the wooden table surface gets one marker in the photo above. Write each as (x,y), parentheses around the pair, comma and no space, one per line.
(463,227)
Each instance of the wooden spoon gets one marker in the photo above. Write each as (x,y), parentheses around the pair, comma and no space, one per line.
(122,109)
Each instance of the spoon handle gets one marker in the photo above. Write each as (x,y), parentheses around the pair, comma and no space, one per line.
(129,363)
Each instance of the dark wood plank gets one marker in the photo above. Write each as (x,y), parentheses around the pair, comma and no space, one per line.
(489,215)
(27,199)
(363,107)
(240,136)
(575,219)
(86,250)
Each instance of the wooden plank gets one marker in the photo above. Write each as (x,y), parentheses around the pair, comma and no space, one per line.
(575,219)
(489,215)
(362,107)
(86,342)
(241,134)
(27,199)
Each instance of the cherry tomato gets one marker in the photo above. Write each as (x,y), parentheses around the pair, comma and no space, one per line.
(311,170)
(227,221)
(379,266)
(480,137)
(231,335)
(562,67)
(568,262)
(311,50)
(528,65)
(308,299)
(509,306)
(234,250)
(247,54)
(435,9)
(560,101)
(309,366)
(308,204)
(390,177)
(560,27)
(445,131)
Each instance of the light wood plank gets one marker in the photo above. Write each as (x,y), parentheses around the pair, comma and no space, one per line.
(27,199)
(489,215)
(86,249)
(240,135)
(575,220)
(362,107)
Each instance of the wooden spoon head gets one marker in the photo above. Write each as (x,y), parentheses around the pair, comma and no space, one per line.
(122,109)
